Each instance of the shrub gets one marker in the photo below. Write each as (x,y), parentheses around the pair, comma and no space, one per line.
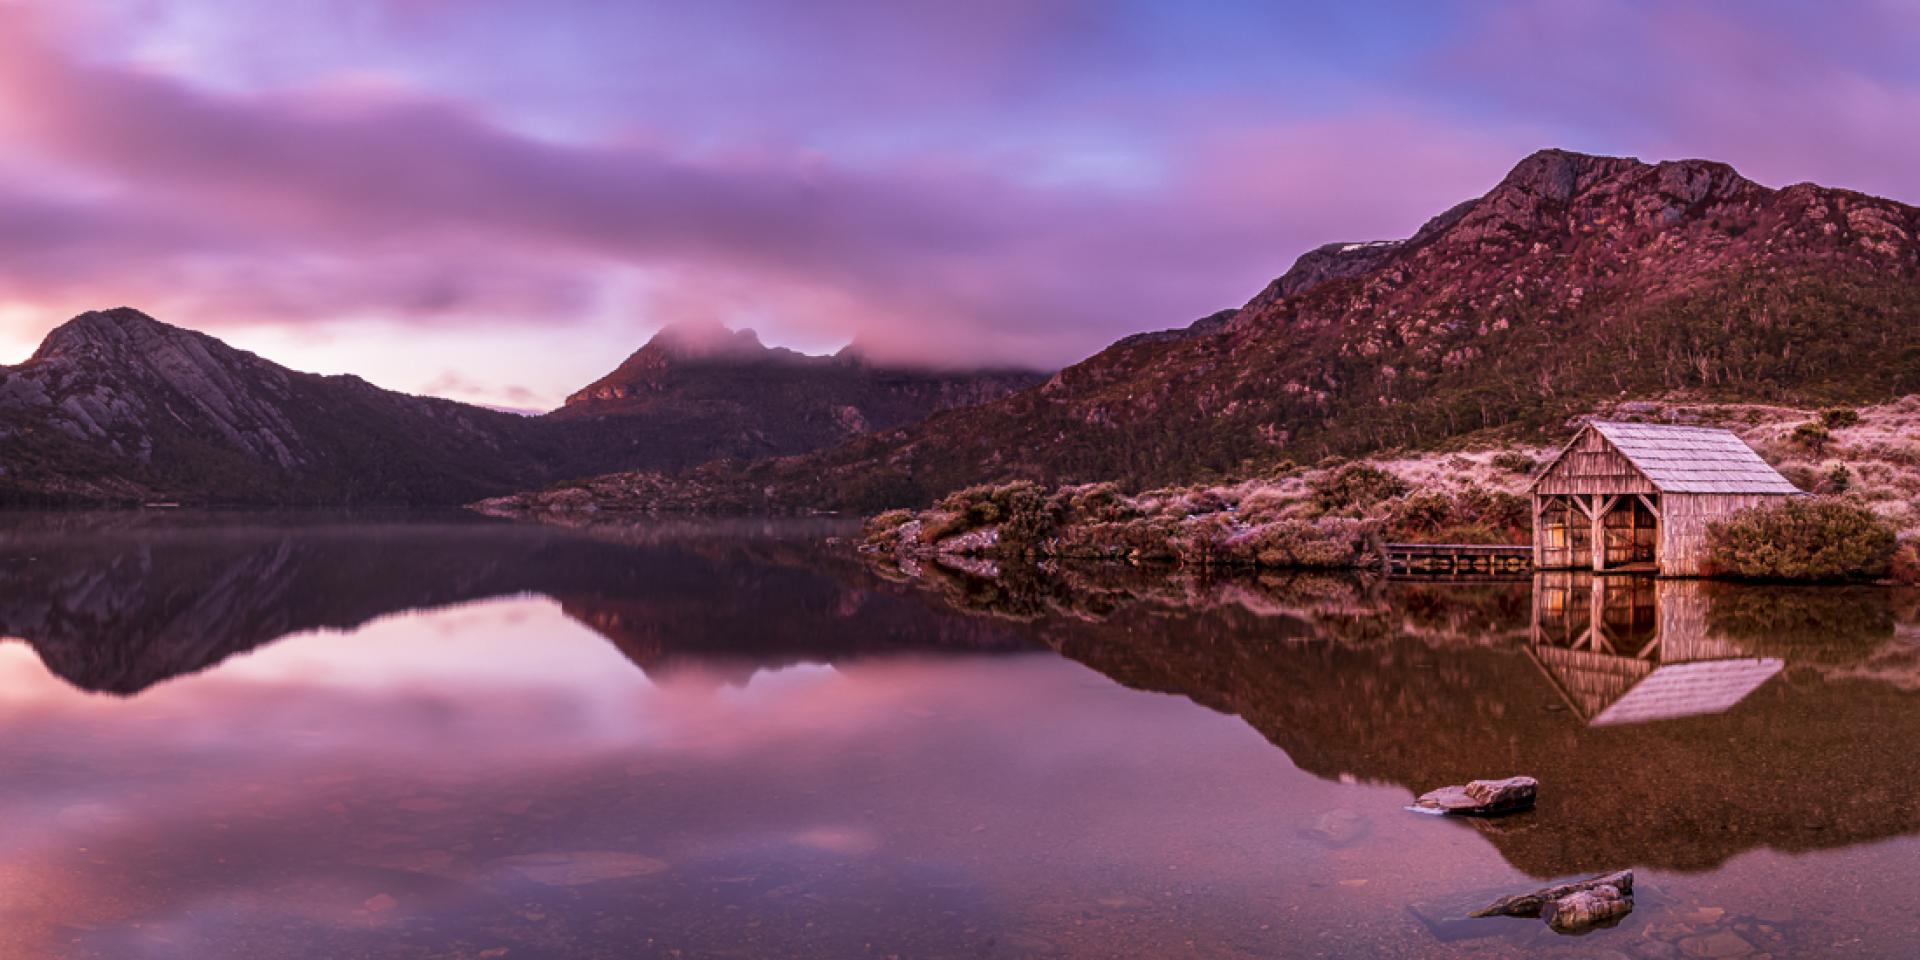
(1904,568)
(1092,502)
(1839,418)
(1802,538)
(1354,488)
(1838,479)
(1812,435)
(1265,505)
(1513,461)
(882,532)
(1296,543)
(1030,520)
(1025,514)
(1471,514)
(937,525)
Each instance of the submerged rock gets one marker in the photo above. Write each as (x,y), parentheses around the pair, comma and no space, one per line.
(579,868)
(1481,798)
(1586,908)
(1615,885)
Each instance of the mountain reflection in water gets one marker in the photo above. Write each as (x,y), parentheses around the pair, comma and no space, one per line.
(439,737)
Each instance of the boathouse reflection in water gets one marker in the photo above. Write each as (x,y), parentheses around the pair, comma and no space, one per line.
(1630,649)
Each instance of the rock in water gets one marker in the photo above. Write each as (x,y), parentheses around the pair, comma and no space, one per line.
(1534,904)
(1586,908)
(1481,798)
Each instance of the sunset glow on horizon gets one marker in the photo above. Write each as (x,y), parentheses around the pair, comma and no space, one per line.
(497,201)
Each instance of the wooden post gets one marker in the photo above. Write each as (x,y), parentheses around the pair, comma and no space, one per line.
(1539,532)
(1599,536)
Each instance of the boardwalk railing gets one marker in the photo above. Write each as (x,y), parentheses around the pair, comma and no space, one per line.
(1459,557)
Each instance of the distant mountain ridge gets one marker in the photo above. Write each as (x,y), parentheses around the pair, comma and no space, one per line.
(116,406)
(698,392)
(1577,279)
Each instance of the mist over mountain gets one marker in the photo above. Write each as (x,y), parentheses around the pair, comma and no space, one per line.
(1575,280)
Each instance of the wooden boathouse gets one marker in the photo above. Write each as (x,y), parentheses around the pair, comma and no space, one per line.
(1639,496)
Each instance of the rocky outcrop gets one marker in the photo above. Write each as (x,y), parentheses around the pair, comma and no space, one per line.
(1210,324)
(1335,261)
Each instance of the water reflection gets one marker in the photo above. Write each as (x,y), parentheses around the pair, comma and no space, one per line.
(116,603)
(1630,649)
(1736,718)
(336,736)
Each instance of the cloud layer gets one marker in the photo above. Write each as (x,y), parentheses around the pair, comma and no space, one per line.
(1005,181)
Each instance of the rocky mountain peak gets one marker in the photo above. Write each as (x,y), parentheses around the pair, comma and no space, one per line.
(1555,176)
(1552,192)
(99,332)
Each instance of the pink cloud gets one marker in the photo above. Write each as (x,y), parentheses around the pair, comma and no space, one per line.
(297,206)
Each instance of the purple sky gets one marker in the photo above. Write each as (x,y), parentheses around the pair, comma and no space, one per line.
(496,200)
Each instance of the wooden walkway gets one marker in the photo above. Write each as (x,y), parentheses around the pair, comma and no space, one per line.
(1459,557)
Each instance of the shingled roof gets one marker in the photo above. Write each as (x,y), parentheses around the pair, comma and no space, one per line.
(1693,459)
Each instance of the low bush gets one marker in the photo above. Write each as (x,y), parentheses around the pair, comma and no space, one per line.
(1469,514)
(1092,503)
(1266,505)
(882,531)
(1839,418)
(1904,568)
(1812,435)
(1837,480)
(1802,538)
(1513,461)
(1299,543)
(1354,487)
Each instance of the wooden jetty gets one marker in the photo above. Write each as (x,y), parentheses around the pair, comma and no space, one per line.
(1459,558)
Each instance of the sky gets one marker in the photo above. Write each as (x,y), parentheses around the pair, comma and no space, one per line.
(497,200)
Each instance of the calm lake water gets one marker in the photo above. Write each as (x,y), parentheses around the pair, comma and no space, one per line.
(254,736)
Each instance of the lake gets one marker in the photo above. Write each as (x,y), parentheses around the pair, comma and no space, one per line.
(435,736)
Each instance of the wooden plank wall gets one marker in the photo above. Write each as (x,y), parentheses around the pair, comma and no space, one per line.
(1592,466)
(1683,526)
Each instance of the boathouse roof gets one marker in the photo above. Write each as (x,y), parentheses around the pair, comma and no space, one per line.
(1692,459)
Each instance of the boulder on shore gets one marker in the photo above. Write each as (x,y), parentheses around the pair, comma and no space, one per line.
(1481,798)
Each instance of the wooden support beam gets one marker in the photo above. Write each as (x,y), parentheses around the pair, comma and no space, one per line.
(1648,501)
(1651,652)
(1599,534)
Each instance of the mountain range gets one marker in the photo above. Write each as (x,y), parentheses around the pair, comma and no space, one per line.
(1576,280)
(116,406)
